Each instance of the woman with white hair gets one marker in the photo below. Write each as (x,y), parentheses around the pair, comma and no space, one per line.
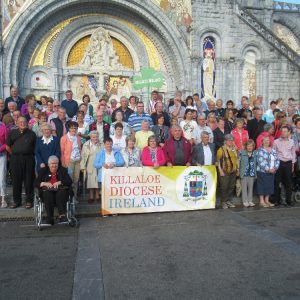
(88,155)
(54,184)
(46,146)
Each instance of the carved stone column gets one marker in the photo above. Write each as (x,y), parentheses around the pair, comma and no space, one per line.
(196,73)
(265,78)
(259,78)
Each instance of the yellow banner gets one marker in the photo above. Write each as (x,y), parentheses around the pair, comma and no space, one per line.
(145,189)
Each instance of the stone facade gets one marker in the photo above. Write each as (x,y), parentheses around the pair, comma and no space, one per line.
(237,27)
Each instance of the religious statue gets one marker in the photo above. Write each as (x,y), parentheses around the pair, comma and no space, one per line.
(208,71)
(100,53)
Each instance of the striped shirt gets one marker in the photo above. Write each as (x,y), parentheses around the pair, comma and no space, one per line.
(135,121)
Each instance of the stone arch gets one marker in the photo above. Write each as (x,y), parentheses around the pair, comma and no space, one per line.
(198,53)
(30,27)
(250,69)
(254,47)
(290,24)
(83,27)
(214,33)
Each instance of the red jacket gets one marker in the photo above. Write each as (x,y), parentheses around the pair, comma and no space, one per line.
(146,157)
(239,142)
(169,150)
(260,137)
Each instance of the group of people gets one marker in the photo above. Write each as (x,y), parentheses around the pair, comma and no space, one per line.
(41,139)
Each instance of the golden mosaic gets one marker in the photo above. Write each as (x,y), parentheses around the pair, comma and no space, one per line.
(77,52)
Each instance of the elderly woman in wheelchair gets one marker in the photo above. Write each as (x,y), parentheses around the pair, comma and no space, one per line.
(54,186)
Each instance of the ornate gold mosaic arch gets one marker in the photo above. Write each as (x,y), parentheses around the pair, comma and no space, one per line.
(42,53)
(77,52)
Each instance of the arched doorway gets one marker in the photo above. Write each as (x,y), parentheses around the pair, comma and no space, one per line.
(44,50)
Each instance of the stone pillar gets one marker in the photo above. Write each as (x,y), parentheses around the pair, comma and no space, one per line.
(265,77)
(196,80)
(259,78)
(6,90)
(220,91)
(240,77)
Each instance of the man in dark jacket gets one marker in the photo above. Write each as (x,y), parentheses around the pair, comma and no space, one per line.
(177,149)
(59,124)
(256,126)
(124,109)
(20,143)
(54,185)
(203,154)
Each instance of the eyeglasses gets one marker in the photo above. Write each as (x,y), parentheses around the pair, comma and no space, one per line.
(56,105)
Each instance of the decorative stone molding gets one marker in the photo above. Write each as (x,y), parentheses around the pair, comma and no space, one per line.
(84,27)
(268,35)
(46,14)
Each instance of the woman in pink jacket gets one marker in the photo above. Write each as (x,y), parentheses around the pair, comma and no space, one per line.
(3,136)
(70,146)
(240,135)
(153,155)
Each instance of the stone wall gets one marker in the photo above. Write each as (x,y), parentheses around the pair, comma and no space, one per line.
(276,76)
(182,51)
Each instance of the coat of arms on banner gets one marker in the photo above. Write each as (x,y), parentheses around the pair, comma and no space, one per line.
(195,186)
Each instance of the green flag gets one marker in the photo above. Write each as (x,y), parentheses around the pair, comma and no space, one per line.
(149,78)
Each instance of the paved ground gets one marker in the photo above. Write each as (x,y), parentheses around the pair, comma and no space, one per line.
(218,254)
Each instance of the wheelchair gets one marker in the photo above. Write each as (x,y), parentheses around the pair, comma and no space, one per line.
(39,209)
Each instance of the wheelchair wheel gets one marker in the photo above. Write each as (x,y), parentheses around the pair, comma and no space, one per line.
(39,217)
(73,222)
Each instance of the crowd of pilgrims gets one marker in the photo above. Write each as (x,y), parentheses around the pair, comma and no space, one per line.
(245,141)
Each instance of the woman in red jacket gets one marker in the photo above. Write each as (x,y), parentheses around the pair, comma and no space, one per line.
(152,154)
(240,134)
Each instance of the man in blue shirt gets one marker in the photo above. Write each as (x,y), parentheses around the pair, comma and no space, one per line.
(135,120)
(69,104)
(14,96)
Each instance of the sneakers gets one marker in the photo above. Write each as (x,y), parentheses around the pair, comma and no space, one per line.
(246,204)
(230,204)
(251,204)
(63,220)
(227,204)
(224,206)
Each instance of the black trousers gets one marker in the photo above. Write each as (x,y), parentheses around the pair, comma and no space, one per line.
(52,198)
(22,170)
(284,176)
